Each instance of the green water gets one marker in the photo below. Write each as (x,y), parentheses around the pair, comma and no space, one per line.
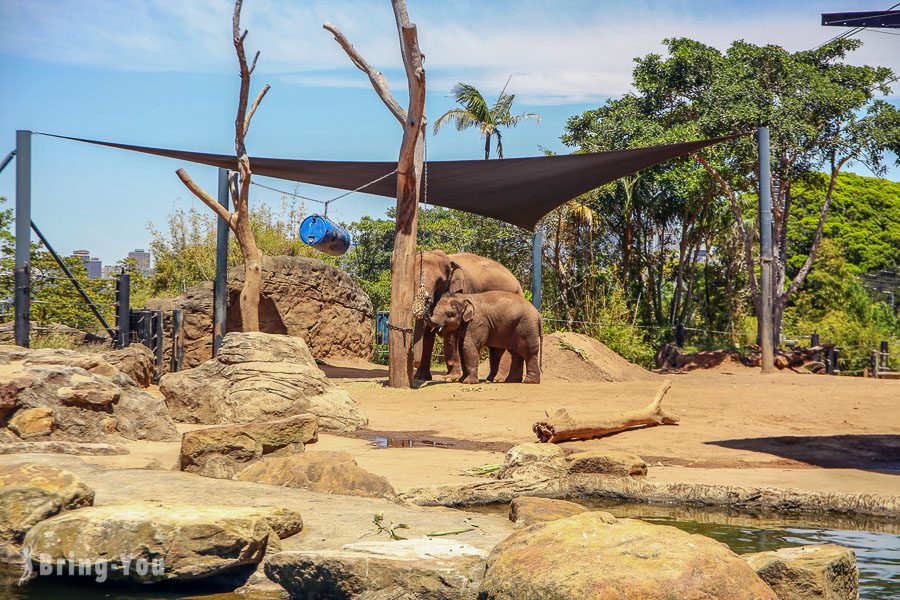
(876,543)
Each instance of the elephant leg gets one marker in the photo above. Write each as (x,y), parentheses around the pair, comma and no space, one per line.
(533,366)
(516,367)
(423,372)
(496,355)
(452,356)
(469,350)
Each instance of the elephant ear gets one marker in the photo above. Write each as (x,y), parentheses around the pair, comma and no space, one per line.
(468,312)
(458,281)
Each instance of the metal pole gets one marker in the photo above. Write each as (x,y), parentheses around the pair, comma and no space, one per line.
(220,286)
(766,324)
(6,160)
(537,243)
(22,273)
(87,299)
(177,340)
(157,321)
(123,310)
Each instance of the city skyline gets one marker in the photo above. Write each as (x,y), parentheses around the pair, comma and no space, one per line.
(97,270)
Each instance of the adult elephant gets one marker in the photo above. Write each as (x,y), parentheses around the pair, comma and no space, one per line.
(457,273)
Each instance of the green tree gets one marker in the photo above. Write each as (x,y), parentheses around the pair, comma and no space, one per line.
(488,119)
(823,113)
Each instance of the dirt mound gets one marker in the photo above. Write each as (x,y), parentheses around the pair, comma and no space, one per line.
(571,356)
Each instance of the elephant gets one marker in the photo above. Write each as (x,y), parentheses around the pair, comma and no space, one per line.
(499,320)
(441,273)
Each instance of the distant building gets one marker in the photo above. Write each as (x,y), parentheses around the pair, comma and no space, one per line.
(141,260)
(110,271)
(94,268)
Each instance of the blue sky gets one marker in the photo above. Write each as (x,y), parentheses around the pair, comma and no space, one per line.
(163,73)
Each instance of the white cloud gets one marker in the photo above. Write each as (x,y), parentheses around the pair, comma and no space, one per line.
(558,52)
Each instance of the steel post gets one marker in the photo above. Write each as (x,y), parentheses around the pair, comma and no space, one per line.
(765,316)
(220,285)
(537,243)
(22,274)
(123,310)
(157,321)
(177,340)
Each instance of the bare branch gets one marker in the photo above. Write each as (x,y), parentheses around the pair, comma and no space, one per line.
(208,200)
(375,77)
(254,106)
(253,64)
(739,217)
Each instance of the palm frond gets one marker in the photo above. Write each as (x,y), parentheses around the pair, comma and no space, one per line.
(472,100)
(460,118)
(513,120)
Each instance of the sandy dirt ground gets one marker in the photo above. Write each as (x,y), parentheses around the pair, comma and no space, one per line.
(737,427)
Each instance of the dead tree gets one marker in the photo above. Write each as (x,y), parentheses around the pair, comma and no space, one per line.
(239,219)
(409,174)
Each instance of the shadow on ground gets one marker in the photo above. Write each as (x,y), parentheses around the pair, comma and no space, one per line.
(875,452)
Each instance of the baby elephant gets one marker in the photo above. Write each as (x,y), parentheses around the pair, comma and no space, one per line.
(499,320)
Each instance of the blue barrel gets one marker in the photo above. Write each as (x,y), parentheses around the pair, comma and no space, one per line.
(324,235)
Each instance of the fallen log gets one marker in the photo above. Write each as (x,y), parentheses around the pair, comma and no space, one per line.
(560,426)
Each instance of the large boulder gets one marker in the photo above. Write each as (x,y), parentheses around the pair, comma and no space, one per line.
(223,452)
(177,542)
(325,472)
(423,569)
(532,460)
(301,297)
(31,493)
(259,377)
(79,397)
(826,572)
(137,361)
(587,557)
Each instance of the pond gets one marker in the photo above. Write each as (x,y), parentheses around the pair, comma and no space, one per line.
(876,543)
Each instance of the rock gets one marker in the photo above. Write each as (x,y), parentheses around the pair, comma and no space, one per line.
(193,542)
(222,452)
(422,569)
(55,447)
(32,422)
(10,387)
(259,377)
(607,462)
(137,361)
(75,404)
(585,557)
(806,572)
(300,297)
(533,460)
(326,472)
(89,395)
(31,493)
(92,363)
(528,510)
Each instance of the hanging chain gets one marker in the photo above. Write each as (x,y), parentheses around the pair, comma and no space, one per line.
(422,300)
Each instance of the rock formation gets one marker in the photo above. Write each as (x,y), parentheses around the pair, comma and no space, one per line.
(192,542)
(424,569)
(325,472)
(259,377)
(31,493)
(528,510)
(223,452)
(68,396)
(635,560)
(826,572)
(300,297)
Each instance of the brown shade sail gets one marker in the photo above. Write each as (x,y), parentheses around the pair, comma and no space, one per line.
(516,190)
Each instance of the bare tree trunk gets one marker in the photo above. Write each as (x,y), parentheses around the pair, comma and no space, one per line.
(239,219)
(409,173)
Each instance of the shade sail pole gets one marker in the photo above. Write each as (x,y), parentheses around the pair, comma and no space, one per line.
(766,323)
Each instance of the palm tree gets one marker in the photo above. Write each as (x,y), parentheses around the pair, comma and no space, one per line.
(475,112)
